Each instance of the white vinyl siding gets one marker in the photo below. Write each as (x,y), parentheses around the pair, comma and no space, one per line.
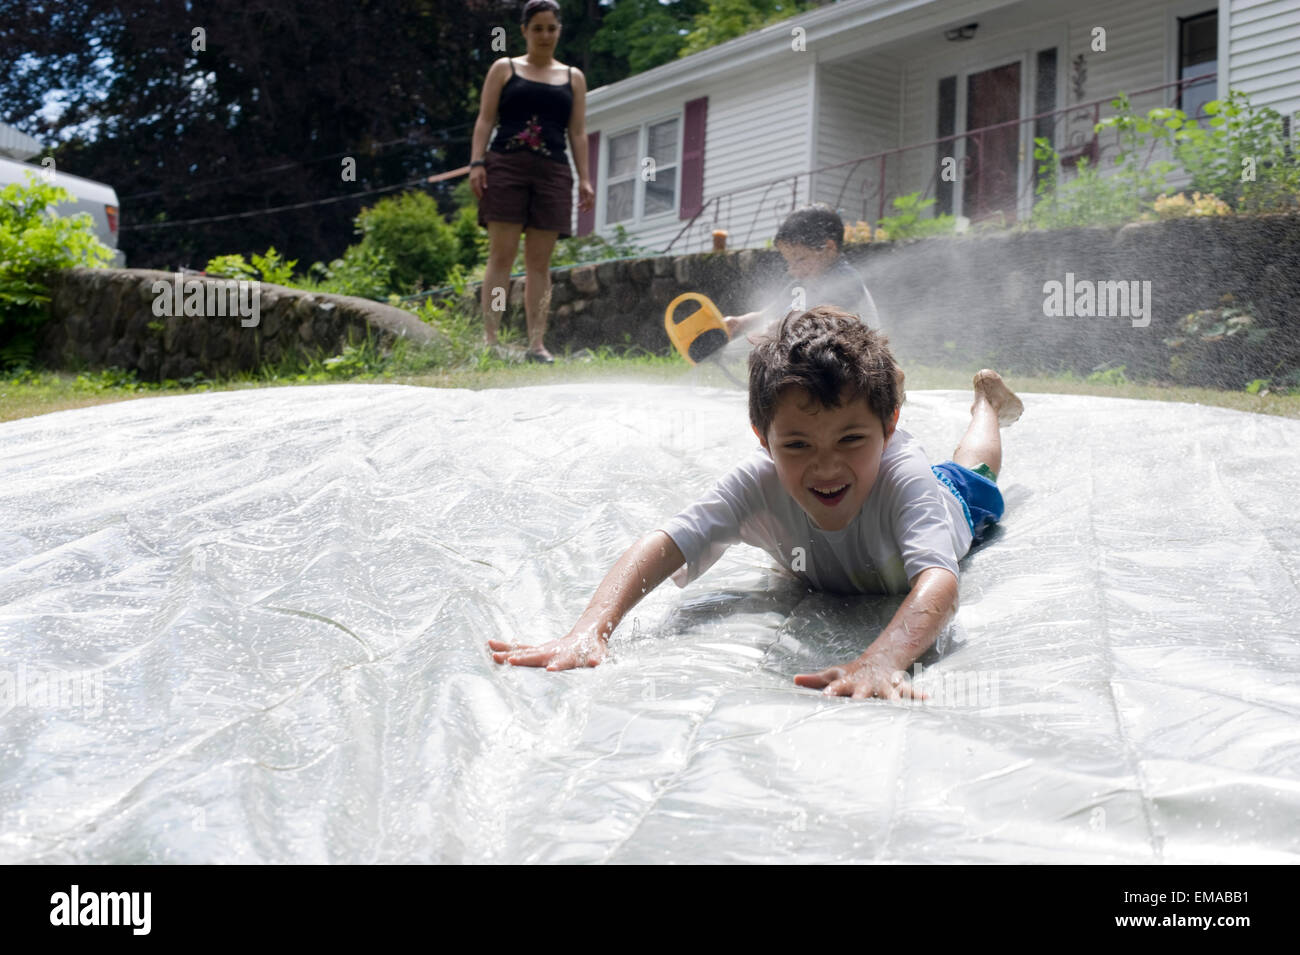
(1263,54)
(857,116)
(756,129)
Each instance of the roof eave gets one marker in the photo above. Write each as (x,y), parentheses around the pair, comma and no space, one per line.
(709,65)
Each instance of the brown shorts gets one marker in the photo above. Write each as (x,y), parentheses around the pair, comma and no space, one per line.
(529,189)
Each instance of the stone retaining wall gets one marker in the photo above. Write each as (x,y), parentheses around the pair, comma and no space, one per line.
(108,317)
(976,299)
(979,299)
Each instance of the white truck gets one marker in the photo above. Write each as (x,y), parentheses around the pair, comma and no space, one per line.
(95,198)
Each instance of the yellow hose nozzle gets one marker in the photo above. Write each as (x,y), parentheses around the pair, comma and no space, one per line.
(698,335)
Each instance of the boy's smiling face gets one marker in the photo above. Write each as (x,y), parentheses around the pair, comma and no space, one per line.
(803,262)
(835,450)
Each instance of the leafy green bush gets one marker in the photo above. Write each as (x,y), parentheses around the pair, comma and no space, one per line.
(584,249)
(363,271)
(1094,199)
(413,236)
(471,238)
(1242,158)
(265,268)
(33,243)
(910,223)
(230,266)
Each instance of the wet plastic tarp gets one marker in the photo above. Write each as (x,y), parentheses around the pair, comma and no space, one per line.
(251,627)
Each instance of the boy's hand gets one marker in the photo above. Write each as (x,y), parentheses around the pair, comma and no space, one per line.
(734,325)
(578,648)
(642,568)
(862,679)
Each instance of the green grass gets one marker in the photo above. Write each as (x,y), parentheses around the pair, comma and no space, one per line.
(457,358)
(35,393)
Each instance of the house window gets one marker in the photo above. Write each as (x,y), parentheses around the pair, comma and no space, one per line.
(620,189)
(662,147)
(1198,55)
(630,195)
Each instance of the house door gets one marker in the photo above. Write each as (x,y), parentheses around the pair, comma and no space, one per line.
(991,182)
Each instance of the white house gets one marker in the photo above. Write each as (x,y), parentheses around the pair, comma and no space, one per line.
(858,102)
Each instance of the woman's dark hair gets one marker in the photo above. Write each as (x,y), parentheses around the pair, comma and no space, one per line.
(833,357)
(811,226)
(534,7)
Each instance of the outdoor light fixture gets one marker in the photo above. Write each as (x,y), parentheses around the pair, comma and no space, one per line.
(961,33)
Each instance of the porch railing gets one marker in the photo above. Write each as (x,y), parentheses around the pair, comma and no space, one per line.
(1072,130)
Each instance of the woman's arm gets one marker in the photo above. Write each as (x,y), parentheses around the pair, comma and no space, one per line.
(488,102)
(578,142)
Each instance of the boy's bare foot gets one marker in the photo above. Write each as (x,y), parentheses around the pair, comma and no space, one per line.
(990,386)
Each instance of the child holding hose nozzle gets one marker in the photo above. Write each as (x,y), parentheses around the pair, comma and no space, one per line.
(810,240)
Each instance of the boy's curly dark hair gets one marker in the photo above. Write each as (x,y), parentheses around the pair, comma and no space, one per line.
(832,356)
(811,226)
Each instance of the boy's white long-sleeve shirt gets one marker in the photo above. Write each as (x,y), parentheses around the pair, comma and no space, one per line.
(908,522)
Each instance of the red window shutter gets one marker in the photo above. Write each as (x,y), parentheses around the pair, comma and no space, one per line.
(587,220)
(693,157)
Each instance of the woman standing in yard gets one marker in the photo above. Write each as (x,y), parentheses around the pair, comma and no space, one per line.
(523,182)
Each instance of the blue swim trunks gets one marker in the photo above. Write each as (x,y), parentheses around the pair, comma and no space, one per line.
(981,501)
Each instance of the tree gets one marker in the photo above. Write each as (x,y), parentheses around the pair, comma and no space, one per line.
(727,19)
(643,34)
(193,112)
(205,117)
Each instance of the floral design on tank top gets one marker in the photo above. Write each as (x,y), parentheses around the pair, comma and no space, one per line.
(530,137)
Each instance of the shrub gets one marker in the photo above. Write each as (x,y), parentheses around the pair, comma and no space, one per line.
(1091,199)
(1242,157)
(471,238)
(34,242)
(1240,160)
(363,271)
(582,249)
(265,268)
(1178,206)
(230,266)
(909,223)
(411,235)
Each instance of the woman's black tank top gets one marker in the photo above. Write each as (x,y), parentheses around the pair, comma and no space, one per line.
(533,116)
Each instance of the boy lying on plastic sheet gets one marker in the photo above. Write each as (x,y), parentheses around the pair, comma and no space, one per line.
(838,495)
